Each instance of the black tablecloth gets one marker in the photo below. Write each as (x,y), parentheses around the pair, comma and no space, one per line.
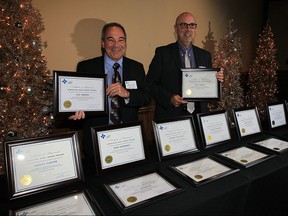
(260,189)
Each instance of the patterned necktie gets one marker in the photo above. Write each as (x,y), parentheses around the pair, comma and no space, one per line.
(114,112)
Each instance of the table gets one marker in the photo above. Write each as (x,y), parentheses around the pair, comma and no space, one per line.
(255,190)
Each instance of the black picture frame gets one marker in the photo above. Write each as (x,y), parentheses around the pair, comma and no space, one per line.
(230,170)
(281,108)
(51,202)
(176,136)
(272,148)
(119,201)
(47,154)
(200,82)
(206,137)
(252,114)
(79,93)
(243,162)
(117,141)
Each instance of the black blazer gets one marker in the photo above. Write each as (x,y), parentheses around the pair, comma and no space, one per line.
(164,79)
(132,70)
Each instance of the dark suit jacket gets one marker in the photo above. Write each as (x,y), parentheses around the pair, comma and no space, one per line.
(132,70)
(164,79)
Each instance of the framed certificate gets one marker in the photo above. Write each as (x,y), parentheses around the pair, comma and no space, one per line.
(273,144)
(118,146)
(204,170)
(40,164)
(277,115)
(200,84)
(214,128)
(76,203)
(135,191)
(79,91)
(247,122)
(175,137)
(245,156)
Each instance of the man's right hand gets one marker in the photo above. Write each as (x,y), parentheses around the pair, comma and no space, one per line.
(177,101)
(77,116)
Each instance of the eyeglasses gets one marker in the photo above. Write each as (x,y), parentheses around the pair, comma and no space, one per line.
(185,25)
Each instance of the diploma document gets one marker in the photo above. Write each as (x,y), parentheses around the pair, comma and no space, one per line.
(277,116)
(245,156)
(175,137)
(43,163)
(120,146)
(76,204)
(77,91)
(214,128)
(140,189)
(200,84)
(203,169)
(247,122)
(274,144)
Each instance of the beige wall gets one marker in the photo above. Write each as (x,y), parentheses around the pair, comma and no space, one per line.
(72,27)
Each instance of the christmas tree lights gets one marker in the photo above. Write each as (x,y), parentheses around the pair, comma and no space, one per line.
(25,86)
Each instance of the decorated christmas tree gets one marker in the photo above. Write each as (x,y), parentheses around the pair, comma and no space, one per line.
(228,55)
(262,80)
(25,85)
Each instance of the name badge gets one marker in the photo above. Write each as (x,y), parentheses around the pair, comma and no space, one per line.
(131,84)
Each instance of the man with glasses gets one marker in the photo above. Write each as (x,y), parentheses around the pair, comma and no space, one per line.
(164,74)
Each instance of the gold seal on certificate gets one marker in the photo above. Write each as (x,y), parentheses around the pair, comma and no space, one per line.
(167,147)
(26,180)
(132,199)
(244,161)
(198,176)
(209,137)
(243,130)
(108,159)
(188,92)
(67,104)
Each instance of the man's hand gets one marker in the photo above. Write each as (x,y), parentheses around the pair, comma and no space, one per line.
(220,75)
(177,100)
(77,116)
(117,89)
